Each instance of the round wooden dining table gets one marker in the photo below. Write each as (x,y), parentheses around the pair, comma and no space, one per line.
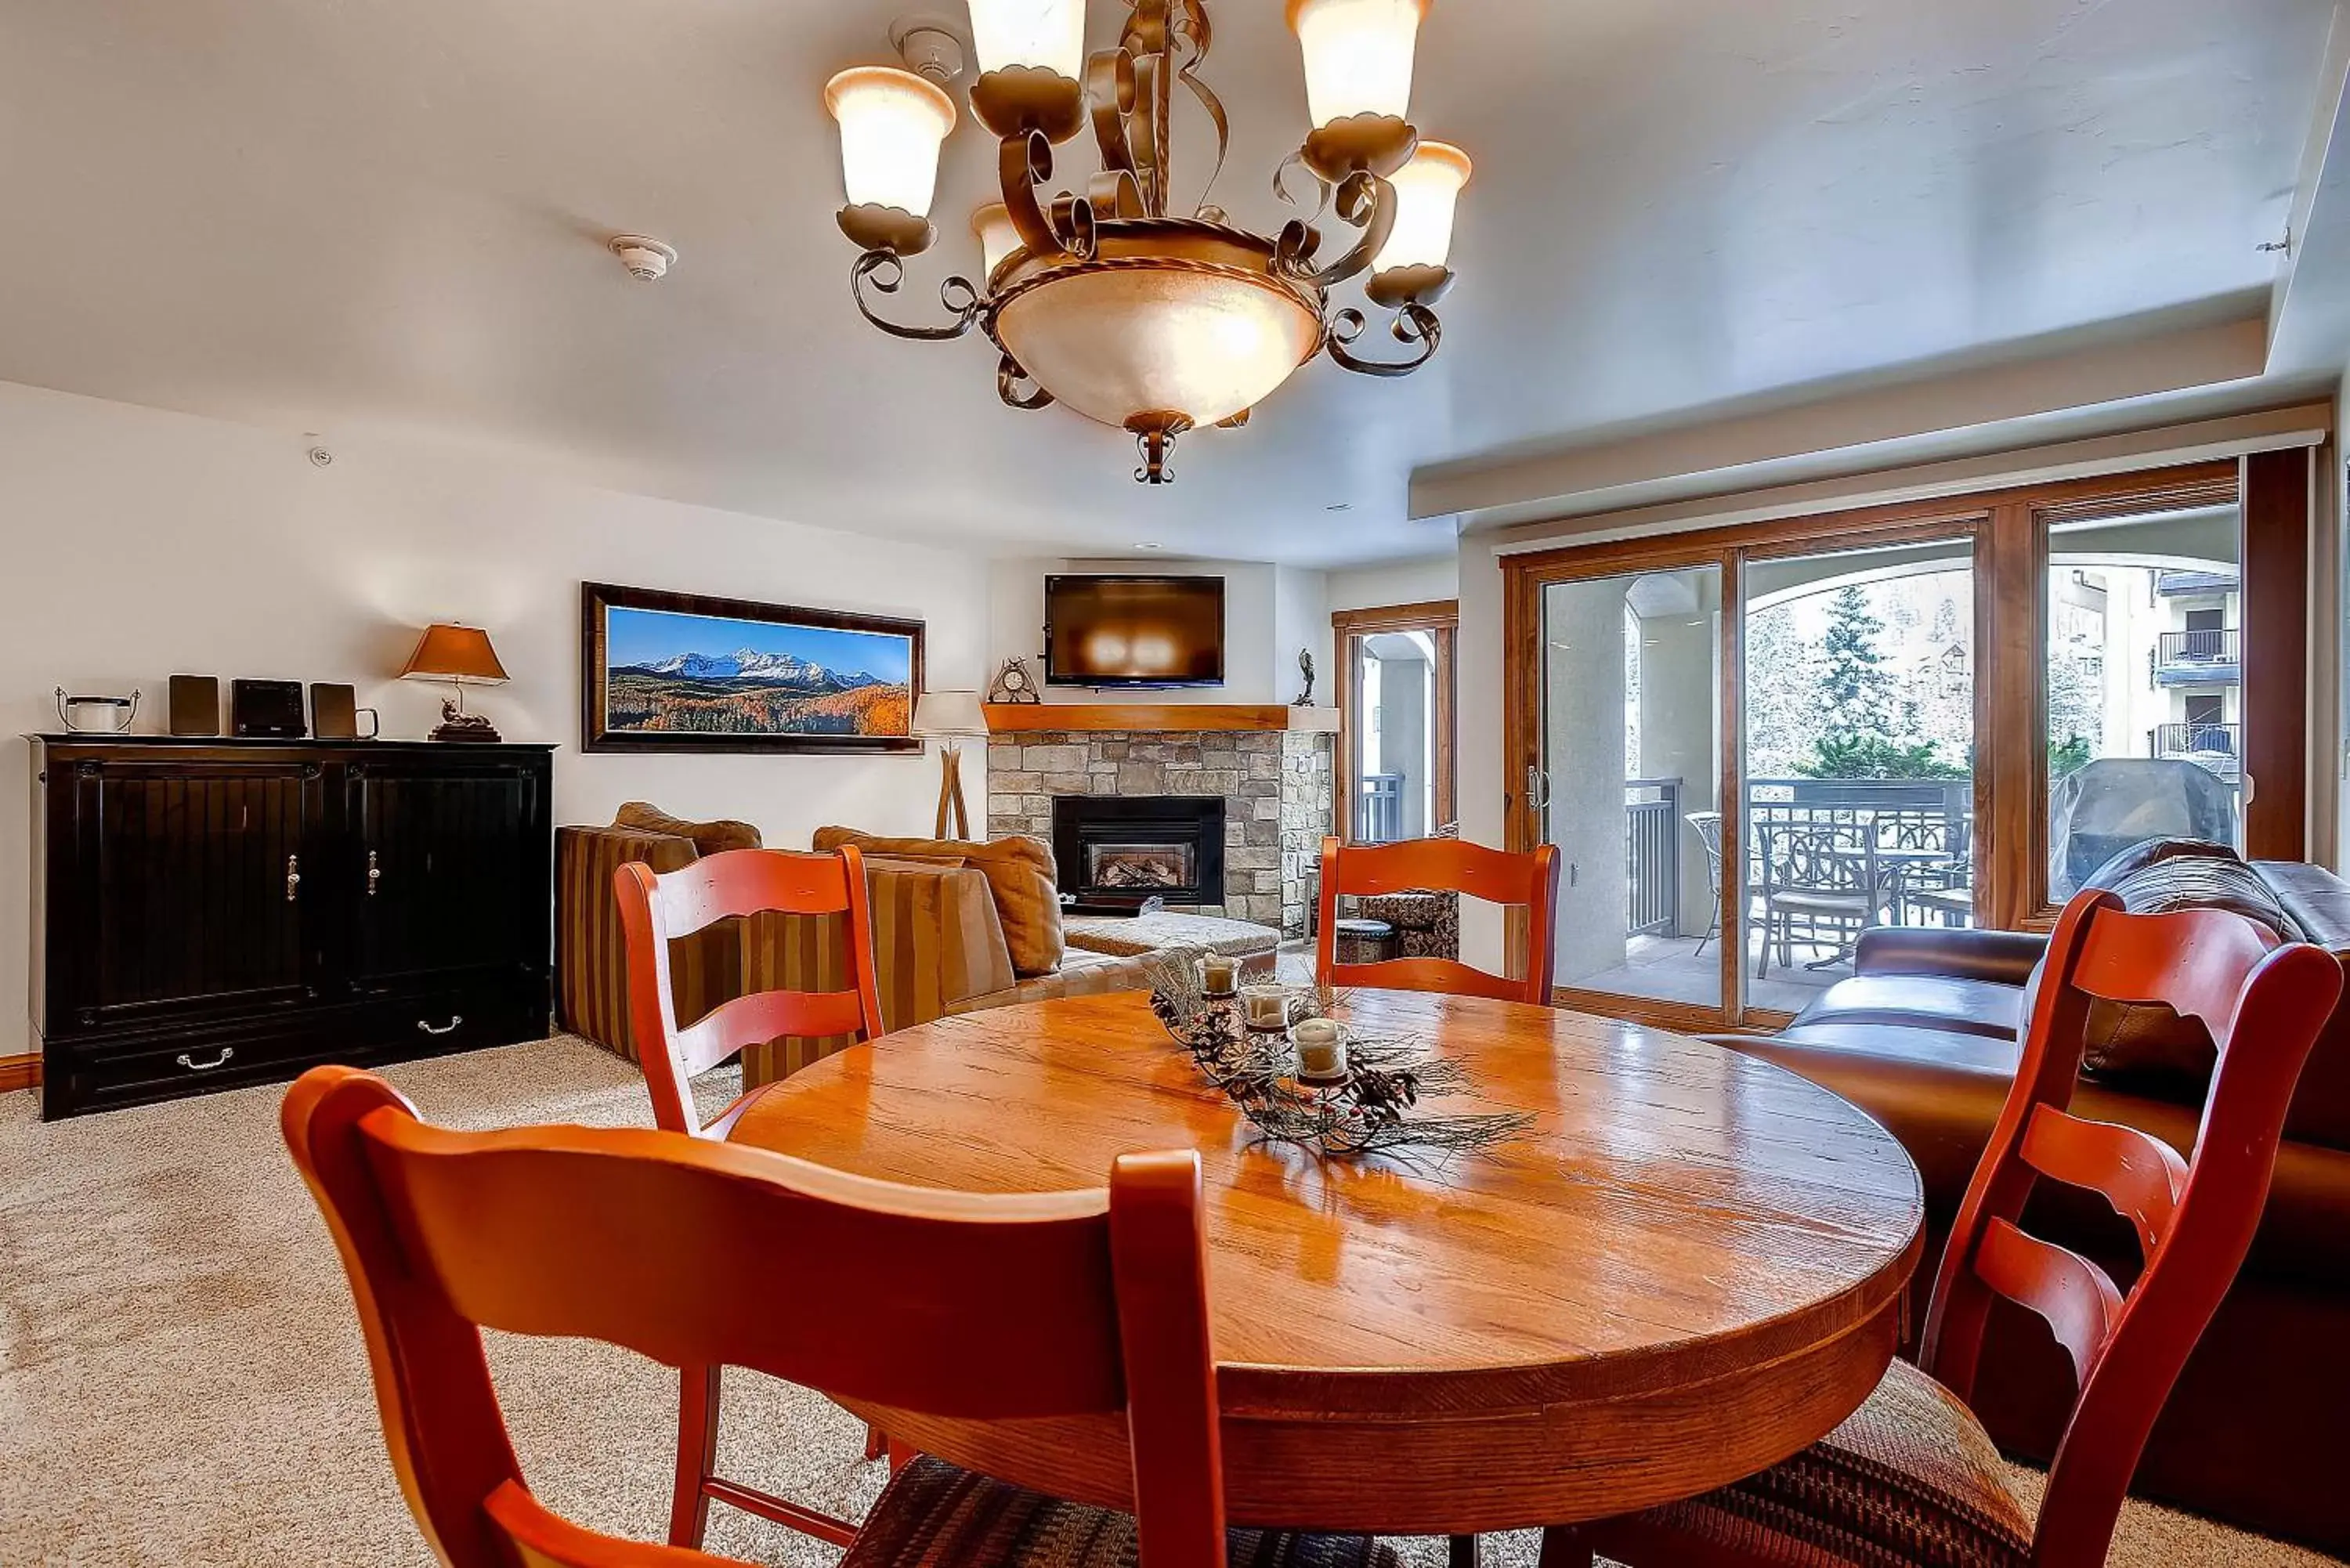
(1688,1267)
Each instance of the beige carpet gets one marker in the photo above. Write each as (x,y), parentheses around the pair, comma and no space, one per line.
(181,1381)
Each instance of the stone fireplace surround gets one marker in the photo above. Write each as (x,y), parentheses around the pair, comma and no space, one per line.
(1276,788)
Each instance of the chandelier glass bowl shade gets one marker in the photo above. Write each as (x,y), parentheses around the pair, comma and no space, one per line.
(1111,298)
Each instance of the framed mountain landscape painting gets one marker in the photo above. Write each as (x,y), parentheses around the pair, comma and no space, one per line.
(679,673)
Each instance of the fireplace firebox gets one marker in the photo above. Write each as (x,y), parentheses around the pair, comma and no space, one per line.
(1120,852)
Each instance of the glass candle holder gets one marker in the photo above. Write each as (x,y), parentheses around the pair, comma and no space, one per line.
(1219,976)
(1264,1007)
(1321,1049)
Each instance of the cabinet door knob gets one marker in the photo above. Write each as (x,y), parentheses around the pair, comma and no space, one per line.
(448,1028)
(293,876)
(375,874)
(193,1065)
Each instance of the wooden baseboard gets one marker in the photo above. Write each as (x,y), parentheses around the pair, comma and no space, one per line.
(20,1073)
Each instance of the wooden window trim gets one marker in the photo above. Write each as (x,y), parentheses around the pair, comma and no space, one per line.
(1442,619)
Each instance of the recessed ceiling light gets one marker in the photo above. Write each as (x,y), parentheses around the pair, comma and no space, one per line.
(1150,546)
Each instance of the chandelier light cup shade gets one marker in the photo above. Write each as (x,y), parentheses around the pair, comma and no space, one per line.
(891,125)
(943,715)
(998,235)
(1048,34)
(460,654)
(1358,56)
(1428,192)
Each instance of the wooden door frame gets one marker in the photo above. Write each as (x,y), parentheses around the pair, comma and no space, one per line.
(1442,619)
(2008,532)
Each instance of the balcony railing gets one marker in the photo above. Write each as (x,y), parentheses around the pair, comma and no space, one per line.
(2213,743)
(2175,585)
(1652,838)
(1930,815)
(1378,808)
(2174,648)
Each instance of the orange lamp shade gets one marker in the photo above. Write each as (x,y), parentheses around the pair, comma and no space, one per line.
(458,653)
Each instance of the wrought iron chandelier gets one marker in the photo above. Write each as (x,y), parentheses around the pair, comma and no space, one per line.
(1104,299)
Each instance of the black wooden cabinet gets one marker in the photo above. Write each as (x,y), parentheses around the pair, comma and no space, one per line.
(210,913)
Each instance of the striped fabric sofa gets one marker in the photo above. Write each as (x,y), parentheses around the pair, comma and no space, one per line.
(939,944)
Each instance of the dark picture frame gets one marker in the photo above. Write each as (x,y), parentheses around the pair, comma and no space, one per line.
(707,681)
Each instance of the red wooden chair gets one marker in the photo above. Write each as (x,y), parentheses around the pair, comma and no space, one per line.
(1442,865)
(1912,1475)
(682,1248)
(655,911)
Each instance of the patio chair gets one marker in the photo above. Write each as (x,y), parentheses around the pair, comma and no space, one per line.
(1824,876)
(1939,889)
(1707,824)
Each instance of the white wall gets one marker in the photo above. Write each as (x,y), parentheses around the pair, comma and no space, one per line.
(1395,583)
(1270,613)
(144,544)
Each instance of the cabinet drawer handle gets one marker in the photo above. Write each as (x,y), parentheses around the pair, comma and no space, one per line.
(375,874)
(193,1065)
(448,1028)
(293,876)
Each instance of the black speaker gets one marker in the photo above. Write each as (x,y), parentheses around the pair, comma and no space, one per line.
(195,704)
(267,710)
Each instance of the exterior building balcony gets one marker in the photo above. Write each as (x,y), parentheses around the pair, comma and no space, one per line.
(2216,746)
(2198,658)
(2182,585)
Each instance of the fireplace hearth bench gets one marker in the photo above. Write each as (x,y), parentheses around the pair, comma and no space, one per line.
(958,928)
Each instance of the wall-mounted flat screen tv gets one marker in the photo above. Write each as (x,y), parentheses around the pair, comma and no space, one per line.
(1134,631)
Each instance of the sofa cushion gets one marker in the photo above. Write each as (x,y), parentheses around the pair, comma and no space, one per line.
(1019,873)
(1930,1001)
(708,838)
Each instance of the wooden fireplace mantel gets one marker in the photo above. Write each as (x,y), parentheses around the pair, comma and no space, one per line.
(1027,718)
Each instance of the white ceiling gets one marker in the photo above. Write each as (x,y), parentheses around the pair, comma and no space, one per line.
(328,215)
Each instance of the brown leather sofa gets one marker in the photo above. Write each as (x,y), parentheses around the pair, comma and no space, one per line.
(1924,1037)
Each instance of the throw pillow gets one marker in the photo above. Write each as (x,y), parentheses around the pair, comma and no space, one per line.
(709,837)
(1019,874)
(2147,1040)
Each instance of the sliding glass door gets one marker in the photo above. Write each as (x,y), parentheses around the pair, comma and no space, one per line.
(2144,686)
(1628,784)
(1859,704)
(1753,743)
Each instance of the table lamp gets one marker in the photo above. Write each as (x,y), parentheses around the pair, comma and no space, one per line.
(461,656)
(949,716)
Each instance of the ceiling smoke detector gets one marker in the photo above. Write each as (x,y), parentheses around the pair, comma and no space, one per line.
(930,46)
(646,259)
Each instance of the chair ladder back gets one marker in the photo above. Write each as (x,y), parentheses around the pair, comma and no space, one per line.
(2194,961)
(1443,865)
(2077,1299)
(1158,1253)
(2194,1217)
(679,1249)
(2141,1176)
(656,909)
